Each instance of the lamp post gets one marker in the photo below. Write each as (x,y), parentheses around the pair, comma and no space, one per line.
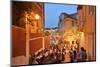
(37,17)
(27,37)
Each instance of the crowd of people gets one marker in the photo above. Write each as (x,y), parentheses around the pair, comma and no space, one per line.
(46,56)
(60,51)
(57,54)
(78,56)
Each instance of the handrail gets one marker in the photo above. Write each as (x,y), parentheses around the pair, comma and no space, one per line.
(35,38)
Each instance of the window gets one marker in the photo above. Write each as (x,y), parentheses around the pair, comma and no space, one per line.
(91,10)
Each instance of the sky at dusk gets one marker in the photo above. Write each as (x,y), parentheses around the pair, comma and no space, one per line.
(53,11)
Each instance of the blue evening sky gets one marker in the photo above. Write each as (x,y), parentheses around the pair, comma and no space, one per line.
(53,11)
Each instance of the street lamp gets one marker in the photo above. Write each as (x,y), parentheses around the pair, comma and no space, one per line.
(37,17)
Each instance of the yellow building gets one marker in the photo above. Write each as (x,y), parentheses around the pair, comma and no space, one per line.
(67,26)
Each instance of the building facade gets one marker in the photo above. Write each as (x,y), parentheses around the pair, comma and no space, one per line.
(67,26)
(35,13)
(87,25)
(27,23)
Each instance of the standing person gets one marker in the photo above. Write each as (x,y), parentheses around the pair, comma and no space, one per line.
(78,56)
(74,56)
(74,45)
(52,40)
(57,37)
(83,54)
(71,55)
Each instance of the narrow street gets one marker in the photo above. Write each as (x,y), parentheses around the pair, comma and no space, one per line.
(50,33)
